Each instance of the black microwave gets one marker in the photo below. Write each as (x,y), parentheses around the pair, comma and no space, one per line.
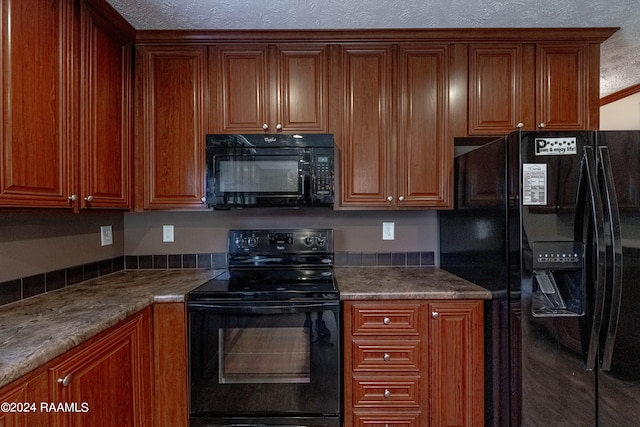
(269,170)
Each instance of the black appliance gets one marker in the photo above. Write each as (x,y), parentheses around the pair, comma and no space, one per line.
(270,170)
(550,223)
(264,336)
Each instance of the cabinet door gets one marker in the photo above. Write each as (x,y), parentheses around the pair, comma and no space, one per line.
(456,363)
(173,85)
(23,397)
(563,86)
(109,380)
(424,155)
(495,79)
(105,105)
(367,145)
(38,81)
(242,78)
(302,89)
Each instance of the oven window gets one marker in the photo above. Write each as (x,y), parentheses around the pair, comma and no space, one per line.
(259,174)
(259,355)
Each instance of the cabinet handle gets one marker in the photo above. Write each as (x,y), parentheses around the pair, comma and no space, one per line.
(520,125)
(386,357)
(542,125)
(386,320)
(401,198)
(435,314)
(89,199)
(265,126)
(387,394)
(73,197)
(279,126)
(390,198)
(203,199)
(65,381)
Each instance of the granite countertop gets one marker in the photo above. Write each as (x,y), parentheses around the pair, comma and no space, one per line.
(404,283)
(36,330)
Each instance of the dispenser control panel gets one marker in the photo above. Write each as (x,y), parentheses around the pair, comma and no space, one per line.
(557,255)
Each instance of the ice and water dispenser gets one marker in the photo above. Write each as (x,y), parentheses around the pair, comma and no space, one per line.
(558,285)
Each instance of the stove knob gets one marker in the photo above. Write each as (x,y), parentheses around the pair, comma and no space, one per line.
(308,241)
(252,241)
(321,240)
(241,241)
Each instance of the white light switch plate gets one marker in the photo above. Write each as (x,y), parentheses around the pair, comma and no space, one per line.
(106,235)
(167,233)
(388,231)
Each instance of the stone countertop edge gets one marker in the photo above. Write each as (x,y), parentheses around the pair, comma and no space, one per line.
(36,330)
(379,283)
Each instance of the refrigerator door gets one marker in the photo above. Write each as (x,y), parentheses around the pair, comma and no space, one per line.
(557,390)
(619,378)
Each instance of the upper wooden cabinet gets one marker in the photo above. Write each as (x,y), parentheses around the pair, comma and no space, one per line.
(269,88)
(394,150)
(66,81)
(551,86)
(37,144)
(171,120)
(106,134)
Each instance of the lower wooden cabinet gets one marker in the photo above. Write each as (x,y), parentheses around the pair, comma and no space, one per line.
(413,363)
(104,382)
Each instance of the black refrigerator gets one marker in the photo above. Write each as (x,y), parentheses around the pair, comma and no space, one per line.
(550,223)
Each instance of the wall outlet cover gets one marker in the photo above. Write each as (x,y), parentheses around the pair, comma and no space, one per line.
(106,235)
(388,231)
(167,233)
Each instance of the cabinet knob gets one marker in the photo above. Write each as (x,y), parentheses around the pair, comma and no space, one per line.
(390,198)
(65,381)
(401,198)
(89,199)
(265,126)
(279,126)
(203,199)
(542,125)
(386,320)
(435,314)
(386,357)
(520,125)
(73,197)
(387,394)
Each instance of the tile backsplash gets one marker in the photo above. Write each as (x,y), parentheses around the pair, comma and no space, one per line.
(15,290)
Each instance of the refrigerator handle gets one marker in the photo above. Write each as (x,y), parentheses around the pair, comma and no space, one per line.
(612,217)
(588,190)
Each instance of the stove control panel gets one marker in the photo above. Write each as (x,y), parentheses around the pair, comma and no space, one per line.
(280,241)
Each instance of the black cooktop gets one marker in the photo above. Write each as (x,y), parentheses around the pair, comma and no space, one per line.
(274,265)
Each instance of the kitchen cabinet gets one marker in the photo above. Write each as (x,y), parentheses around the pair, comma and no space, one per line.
(546,86)
(413,363)
(170,365)
(23,397)
(269,88)
(393,142)
(38,112)
(66,137)
(107,379)
(171,119)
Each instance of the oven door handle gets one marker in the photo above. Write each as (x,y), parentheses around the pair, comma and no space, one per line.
(247,307)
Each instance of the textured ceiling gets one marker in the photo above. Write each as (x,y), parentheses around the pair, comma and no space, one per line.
(620,54)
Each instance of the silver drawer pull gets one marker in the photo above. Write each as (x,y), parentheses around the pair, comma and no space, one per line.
(386,357)
(65,381)
(386,320)
(435,314)
(387,394)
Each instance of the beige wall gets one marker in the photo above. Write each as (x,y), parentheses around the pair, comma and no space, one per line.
(38,242)
(623,114)
(354,231)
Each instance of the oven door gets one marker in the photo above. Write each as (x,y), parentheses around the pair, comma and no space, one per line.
(253,359)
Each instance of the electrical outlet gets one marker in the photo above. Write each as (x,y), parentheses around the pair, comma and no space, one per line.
(167,233)
(106,235)
(388,231)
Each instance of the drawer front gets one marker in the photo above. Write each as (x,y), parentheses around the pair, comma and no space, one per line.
(372,320)
(383,392)
(394,419)
(386,355)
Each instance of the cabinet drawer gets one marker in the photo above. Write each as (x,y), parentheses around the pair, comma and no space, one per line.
(383,392)
(376,320)
(386,420)
(386,355)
